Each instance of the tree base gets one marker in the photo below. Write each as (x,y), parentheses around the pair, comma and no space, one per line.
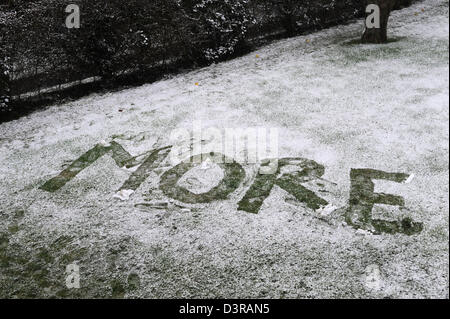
(375,36)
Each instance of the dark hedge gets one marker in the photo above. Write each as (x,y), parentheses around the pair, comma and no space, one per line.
(120,38)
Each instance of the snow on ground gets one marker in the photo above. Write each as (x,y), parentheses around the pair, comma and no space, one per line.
(341,104)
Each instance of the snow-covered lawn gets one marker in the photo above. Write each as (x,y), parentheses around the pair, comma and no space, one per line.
(341,104)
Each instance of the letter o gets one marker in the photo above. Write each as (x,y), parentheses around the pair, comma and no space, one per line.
(233,176)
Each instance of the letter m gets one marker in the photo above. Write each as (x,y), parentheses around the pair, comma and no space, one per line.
(117,152)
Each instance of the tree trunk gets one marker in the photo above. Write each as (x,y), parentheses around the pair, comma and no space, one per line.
(379,35)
